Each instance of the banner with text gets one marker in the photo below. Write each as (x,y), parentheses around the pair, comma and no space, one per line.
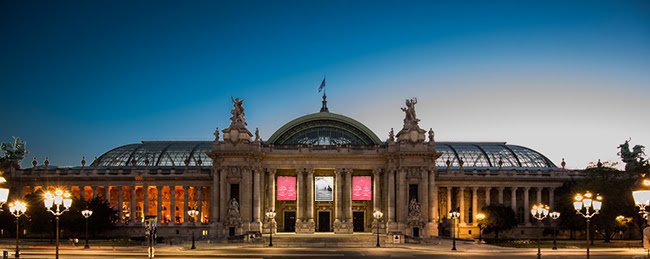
(286,188)
(361,188)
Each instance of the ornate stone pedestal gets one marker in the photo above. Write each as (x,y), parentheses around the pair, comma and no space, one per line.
(305,227)
(343,227)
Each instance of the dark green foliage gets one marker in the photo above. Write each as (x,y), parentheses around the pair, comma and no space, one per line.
(498,218)
(40,220)
(102,219)
(613,185)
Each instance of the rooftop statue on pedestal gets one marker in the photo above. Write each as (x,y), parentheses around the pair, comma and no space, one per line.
(12,154)
(411,132)
(410,120)
(237,112)
(237,130)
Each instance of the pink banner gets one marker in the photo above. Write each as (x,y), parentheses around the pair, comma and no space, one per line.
(286,188)
(361,188)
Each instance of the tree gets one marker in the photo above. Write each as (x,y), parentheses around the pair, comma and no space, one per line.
(40,220)
(613,185)
(498,218)
(102,219)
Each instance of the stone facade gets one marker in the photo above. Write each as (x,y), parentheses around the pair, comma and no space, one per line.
(234,192)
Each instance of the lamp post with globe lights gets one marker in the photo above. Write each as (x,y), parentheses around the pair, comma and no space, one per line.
(587,201)
(454,215)
(554,215)
(641,194)
(57,203)
(480,217)
(540,212)
(378,214)
(270,215)
(87,213)
(17,208)
(193,213)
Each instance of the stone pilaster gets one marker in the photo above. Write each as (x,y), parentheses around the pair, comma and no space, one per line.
(461,198)
(186,195)
(172,204)
(256,224)
(488,201)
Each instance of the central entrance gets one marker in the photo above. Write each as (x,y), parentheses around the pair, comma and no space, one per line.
(289,221)
(357,221)
(323,221)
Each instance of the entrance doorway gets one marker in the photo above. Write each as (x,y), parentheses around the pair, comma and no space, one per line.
(357,221)
(323,221)
(289,221)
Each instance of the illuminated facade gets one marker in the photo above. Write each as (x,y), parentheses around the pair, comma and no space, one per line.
(321,172)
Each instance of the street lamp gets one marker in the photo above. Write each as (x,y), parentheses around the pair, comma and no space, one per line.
(641,194)
(87,213)
(454,215)
(17,208)
(378,216)
(53,203)
(480,217)
(587,201)
(270,215)
(539,211)
(554,215)
(193,213)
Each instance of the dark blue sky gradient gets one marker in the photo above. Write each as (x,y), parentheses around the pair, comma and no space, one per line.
(81,77)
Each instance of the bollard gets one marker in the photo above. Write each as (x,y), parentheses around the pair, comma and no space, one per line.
(5,255)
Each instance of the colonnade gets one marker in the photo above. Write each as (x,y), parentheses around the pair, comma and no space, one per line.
(132,208)
(517,193)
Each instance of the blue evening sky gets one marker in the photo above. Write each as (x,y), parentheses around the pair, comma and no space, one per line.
(570,79)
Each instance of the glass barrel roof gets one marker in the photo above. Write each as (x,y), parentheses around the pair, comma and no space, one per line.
(490,154)
(158,154)
(479,155)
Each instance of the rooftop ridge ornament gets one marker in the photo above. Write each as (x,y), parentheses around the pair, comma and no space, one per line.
(324,107)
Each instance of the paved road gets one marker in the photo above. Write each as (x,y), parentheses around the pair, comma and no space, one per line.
(247,252)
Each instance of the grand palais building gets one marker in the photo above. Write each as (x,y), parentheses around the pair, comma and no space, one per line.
(322,172)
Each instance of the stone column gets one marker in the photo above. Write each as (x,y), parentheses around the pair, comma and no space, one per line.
(94,189)
(391,196)
(133,205)
(299,204)
(214,197)
(539,195)
(449,200)
(256,197)
(120,200)
(474,205)
(159,213)
(501,195)
(424,192)
(348,195)
(513,204)
(310,196)
(375,196)
(462,205)
(402,198)
(172,204)
(272,189)
(223,195)
(527,206)
(433,198)
(108,195)
(488,201)
(338,199)
(198,205)
(145,210)
(185,204)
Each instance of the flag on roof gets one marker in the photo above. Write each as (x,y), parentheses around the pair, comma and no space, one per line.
(322,85)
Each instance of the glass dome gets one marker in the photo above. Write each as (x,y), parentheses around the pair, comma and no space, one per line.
(158,154)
